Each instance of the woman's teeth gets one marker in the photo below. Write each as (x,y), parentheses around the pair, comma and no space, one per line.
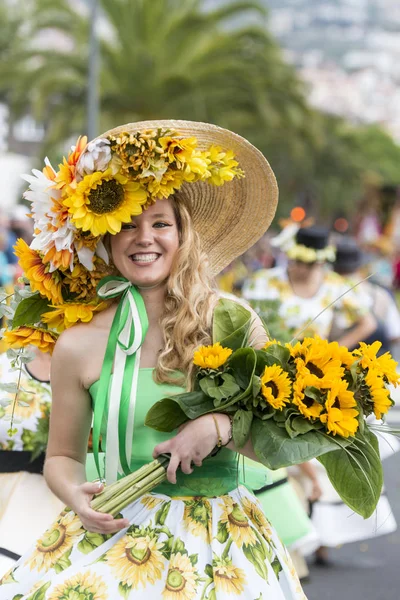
(144,257)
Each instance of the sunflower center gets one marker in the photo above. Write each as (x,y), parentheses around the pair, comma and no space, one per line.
(308,401)
(175,581)
(200,513)
(315,370)
(137,556)
(236,517)
(273,387)
(336,404)
(106,197)
(52,539)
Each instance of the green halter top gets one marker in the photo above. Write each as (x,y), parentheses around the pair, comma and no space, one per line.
(218,475)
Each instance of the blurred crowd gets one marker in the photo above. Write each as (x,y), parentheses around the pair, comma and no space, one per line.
(13,225)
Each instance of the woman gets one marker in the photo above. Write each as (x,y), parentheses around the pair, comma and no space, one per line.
(22,459)
(197,536)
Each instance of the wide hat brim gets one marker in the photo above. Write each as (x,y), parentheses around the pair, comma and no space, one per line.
(232,217)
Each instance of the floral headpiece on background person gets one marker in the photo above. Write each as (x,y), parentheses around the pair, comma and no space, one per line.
(305,244)
(101,185)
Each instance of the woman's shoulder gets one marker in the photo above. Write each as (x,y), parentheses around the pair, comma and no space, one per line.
(82,338)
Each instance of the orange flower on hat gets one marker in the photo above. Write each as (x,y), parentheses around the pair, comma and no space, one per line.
(31,262)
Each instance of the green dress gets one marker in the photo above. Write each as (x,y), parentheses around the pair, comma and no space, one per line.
(202,539)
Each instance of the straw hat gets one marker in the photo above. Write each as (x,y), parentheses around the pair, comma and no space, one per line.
(232,217)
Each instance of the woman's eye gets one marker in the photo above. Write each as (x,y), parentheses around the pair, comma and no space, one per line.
(160,225)
(126,226)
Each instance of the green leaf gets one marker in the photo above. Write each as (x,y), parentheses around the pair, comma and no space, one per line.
(256,386)
(6,311)
(64,562)
(165,415)
(243,364)
(275,449)
(209,571)
(276,566)
(29,311)
(241,427)
(255,556)
(212,595)
(40,594)
(11,388)
(301,425)
(280,353)
(356,473)
(125,590)
(194,559)
(90,541)
(220,391)
(315,394)
(231,324)
(162,513)
(222,534)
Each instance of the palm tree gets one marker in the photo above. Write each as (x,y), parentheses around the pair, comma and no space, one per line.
(160,59)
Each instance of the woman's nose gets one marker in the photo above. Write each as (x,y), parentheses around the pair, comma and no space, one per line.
(144,235)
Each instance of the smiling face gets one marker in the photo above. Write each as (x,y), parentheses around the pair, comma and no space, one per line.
(145,249)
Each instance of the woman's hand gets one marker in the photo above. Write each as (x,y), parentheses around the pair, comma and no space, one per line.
(93,521)
(195,440)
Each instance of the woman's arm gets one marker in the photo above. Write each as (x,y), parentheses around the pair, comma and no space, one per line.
(70,421)
(362,330)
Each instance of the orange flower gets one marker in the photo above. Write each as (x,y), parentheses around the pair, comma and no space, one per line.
(37,272)
(27,336)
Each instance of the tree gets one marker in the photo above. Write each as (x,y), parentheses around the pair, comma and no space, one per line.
(164,59)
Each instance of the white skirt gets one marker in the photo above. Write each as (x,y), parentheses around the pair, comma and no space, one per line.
(187,548)
(27,508)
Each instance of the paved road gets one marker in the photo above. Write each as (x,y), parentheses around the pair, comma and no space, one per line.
(368,570)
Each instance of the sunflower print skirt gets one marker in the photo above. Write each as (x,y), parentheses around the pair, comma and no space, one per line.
(189,548)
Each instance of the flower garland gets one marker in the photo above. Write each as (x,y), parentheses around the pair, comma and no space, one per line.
(309,255)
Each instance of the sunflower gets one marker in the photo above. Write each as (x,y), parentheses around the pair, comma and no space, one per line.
(227,578)
(270,343)
(237,523)
(136,559)
(341,413)
(30,261)
(182,579)
(346,357)
(103,201)
(31,336)
(211,357)
(276,386)
(57,540)
(197,518)
(170,182)
(82,283)
(309,408)
(380,395)
(68,314)
(257,517)
(320,360)
(82,586)
(384,365)
(135,151)
(150,501)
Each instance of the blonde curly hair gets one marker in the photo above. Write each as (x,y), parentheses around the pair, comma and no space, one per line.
(189,304)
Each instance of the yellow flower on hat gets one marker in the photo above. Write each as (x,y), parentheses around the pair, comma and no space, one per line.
(341,410)
(30,261)
(68,314)
(178,150)
(276,386)
(31,336)
(223,166)
(211,357)
(102,201)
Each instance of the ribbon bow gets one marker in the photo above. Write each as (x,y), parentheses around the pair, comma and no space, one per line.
(116,398)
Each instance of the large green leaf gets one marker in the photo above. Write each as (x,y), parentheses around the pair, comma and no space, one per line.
(169,413)
(29,311)
(275,449)
(231,324)
(243,364)
(241,427)
(356,473)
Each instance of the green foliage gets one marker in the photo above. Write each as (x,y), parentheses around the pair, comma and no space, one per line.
(30,310)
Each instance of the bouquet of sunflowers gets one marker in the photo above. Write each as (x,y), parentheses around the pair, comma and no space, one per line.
(296,402)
